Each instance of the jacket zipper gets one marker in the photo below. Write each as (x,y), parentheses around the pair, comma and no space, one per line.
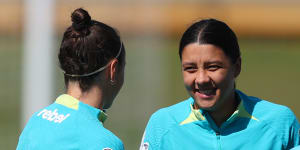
(218,140)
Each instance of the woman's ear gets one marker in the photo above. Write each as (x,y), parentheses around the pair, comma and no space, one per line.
(113,70)
(238,67)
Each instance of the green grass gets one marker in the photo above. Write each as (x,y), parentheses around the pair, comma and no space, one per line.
(270,70)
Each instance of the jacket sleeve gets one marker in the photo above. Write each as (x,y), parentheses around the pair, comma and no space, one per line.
(153,133)
(294,131)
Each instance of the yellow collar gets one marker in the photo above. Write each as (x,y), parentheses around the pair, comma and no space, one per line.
(73,103)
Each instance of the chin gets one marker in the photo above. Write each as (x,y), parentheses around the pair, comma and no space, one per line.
(209,105)
(208,108)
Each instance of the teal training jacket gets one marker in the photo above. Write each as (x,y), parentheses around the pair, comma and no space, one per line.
(256,124)
(68,124)
(296,148)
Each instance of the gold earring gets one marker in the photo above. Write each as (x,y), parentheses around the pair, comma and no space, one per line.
(113,82)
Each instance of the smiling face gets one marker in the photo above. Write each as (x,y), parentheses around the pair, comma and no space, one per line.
(209,76)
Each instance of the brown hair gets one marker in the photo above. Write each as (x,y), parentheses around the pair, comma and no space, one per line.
(87,45)
(215,32)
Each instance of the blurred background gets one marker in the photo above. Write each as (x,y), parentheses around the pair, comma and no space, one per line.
(268,32)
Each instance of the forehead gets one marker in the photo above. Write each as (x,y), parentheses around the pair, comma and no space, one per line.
(203,52)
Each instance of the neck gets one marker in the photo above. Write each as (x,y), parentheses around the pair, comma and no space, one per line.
(92,97)
(225,110)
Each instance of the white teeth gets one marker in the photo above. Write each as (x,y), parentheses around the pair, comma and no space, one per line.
(207,92)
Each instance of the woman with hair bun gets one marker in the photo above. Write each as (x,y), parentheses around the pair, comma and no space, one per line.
(217,116)
(92,57)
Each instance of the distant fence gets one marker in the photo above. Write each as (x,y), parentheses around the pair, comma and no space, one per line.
(247,19)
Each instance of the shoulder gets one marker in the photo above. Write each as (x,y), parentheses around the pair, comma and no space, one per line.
(278,118)
(43,122)
(162,120)
(95,136)
(110,141)
(100,138)
(39,116)
(172,114)
(266,110)
(296,148)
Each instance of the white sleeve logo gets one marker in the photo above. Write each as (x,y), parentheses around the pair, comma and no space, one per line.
(144,145)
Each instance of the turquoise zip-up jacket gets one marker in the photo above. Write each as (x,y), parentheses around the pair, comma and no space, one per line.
(68,124)
(255,125)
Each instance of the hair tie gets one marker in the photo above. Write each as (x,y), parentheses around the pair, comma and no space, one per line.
(96,71)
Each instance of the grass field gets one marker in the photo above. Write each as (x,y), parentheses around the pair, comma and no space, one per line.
(270,70)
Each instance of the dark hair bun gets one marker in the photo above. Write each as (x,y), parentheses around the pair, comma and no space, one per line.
(81,19)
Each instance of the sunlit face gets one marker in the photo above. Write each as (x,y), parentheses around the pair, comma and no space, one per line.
(209,76)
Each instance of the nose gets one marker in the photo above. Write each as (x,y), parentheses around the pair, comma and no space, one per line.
(202,78)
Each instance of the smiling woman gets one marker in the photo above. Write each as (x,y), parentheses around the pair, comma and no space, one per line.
(209,77)
(217,115)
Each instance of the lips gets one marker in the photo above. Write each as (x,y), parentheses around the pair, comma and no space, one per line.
(205,93)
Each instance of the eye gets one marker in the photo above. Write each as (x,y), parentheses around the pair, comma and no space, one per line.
(189,69)
(213,67)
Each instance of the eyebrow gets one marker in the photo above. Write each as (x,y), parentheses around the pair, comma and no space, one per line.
(187,63)
(209,62)
(214,62)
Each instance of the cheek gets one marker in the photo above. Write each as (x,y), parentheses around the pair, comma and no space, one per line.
(188,80)
(224,78)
